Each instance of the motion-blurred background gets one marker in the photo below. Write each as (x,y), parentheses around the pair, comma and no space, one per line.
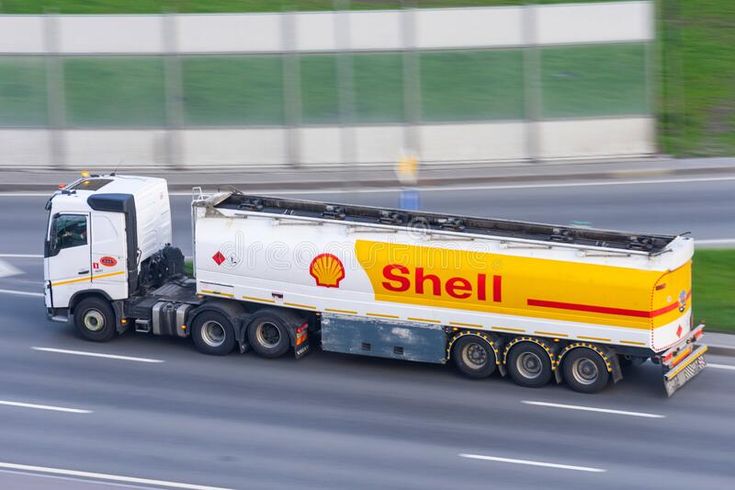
(264,83)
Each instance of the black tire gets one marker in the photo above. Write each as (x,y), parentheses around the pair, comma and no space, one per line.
(529,365)
(213,334)
(268,333)
(94,319)
(474,357)
(585,370)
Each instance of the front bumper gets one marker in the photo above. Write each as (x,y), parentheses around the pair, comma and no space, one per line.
(683,361)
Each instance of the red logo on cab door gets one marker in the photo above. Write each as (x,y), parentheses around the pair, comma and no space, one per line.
(108,261)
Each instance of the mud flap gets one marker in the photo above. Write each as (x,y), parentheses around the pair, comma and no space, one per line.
(687,369)
(301,340)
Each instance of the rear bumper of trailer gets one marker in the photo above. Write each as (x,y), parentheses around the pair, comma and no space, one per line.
(683,361)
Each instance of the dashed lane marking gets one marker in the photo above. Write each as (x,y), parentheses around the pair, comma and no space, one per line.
(36,406)
(721,366)
(527,462)
(594,409)
(21,293)
(91,476)
(96,354)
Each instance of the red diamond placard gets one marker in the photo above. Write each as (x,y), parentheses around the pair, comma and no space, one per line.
(218,258)
(679,331)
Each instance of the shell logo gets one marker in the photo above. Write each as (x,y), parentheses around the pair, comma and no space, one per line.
(327,270)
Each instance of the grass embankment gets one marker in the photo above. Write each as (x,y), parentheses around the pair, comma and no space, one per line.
(714,289)
(697,110)
(713,284)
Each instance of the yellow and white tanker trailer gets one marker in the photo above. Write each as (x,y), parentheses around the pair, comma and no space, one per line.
(532,301)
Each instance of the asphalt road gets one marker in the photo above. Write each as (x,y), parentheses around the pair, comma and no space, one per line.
(336,421)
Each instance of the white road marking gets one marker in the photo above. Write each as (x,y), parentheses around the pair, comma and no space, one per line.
(106,477)
(721,366)
(533,463)
(21,256)
(448,188)
(43,407)
(76,480)
(21,293)
(7,270)
(595,409)
(96,354)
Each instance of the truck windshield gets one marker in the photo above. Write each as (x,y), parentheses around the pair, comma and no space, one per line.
(67,230)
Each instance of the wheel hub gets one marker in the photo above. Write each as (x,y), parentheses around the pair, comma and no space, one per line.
(585,371)
(268,335)
(213,333)
(94,321)
(529,365)
(474,355)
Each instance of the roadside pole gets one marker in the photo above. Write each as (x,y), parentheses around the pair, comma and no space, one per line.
(407,173)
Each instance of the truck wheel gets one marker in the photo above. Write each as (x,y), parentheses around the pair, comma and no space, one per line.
(585,370)
(95,320)
(268,334)
(529,365)
(213,334)
(473,357)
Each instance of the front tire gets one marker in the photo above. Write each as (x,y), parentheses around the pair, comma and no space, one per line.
(94,319)
(213,334)
(474,357)
(585,370)
(529,365)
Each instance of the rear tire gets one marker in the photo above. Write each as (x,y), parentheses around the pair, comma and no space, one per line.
(268,333)
(213,334)
(585,370)
(529,365)
(94,319)
(474,357)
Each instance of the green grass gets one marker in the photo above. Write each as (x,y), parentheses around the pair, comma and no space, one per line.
(232,90)
(594,80)
(472,85)
(114,91)
(697,113)
(22,92)
(714,289)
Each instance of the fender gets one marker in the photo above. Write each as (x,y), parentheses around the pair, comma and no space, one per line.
(79,295)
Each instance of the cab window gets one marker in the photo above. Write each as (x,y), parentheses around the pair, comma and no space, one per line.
(67,231)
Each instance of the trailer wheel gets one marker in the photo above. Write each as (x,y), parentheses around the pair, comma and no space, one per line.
(95,320)
(529,365)
(268,334)
(585,370)
(473,357)
(213,333)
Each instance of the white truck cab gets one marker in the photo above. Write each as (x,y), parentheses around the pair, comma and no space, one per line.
(101,230)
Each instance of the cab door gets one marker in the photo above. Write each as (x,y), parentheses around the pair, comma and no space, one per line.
(67,262)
